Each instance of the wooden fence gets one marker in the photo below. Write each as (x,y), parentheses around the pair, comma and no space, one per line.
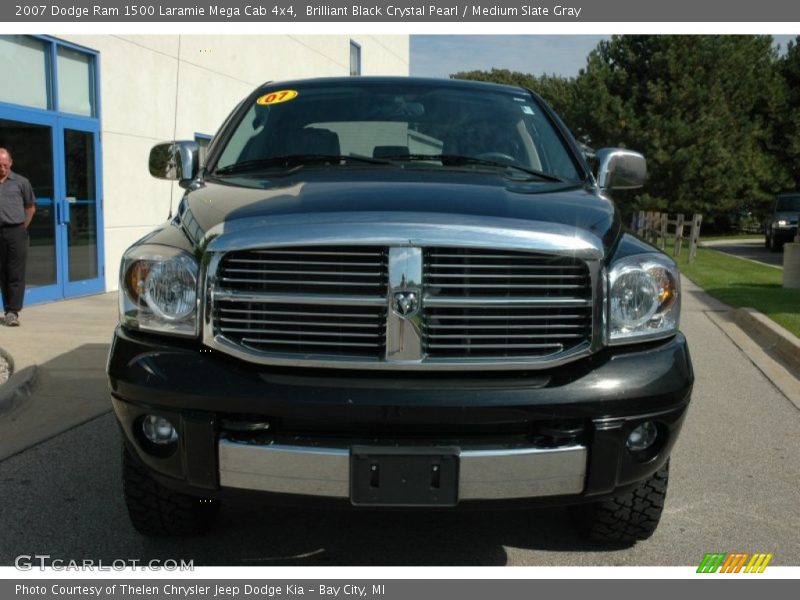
(656,228)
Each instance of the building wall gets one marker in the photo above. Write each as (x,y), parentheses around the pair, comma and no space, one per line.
(155,86)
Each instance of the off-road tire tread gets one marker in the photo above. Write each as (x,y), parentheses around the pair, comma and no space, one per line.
(157,511)
(628,518)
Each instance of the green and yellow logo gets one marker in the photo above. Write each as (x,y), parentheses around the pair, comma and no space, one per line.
(734,562)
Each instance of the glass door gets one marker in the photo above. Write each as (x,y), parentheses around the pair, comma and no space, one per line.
(29,137)
(79,209)
(60,157)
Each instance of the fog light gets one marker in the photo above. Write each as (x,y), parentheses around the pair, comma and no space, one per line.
(159,430)
(642,437)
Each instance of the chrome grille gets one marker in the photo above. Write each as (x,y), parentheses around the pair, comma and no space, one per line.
(346,270)
(486,303)
(470,272)
(303,328)
(304,301)
(336,306)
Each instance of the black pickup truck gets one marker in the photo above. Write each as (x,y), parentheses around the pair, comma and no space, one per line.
(397,293)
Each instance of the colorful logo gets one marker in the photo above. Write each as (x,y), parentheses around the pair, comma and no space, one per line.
(734,563)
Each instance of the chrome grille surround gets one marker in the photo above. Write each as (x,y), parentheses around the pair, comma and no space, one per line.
(412,341)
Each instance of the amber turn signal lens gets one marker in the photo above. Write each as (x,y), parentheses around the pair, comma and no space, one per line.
(135,280)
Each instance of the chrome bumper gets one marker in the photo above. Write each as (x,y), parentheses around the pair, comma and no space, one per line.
(483,474)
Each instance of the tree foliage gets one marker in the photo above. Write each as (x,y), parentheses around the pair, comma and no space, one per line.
(718,117)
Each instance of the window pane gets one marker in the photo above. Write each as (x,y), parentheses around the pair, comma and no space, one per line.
(75,82)
(81,204)
(25,71)
(32,148)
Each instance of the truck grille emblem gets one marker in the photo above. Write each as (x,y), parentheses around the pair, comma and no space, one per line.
(405,303)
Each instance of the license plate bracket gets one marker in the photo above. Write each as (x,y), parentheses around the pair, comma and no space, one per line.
(385,476)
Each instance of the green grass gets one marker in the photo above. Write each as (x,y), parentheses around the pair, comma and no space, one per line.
(739,282)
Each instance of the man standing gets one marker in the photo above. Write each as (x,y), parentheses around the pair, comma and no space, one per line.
(17,206)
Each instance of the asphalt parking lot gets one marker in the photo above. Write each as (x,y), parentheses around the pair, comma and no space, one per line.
(752,249)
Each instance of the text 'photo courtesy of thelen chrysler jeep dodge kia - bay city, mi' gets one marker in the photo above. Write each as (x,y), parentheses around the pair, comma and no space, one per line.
(397,293)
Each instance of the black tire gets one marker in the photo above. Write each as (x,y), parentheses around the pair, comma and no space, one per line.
(155,510)
(773,244)
(766,241)
(628,518)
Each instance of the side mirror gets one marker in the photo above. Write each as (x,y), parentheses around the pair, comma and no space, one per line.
(620,169)
(176,161)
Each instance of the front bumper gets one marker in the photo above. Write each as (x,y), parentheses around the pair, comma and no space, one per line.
(496,474)
(540,437)
(784,235)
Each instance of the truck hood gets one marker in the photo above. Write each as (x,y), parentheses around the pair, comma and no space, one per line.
(386,206)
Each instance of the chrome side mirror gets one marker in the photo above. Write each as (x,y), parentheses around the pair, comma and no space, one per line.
(620,169)
(176,161)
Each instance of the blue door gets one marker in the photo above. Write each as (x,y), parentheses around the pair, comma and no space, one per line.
(61,157)
(79,208)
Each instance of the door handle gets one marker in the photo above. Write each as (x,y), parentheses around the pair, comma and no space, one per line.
(62,213)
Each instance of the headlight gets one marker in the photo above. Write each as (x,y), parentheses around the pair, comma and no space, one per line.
(644,298)
(158,290)
(782,223)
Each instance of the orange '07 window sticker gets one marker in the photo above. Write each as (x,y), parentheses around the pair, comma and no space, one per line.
(277,97)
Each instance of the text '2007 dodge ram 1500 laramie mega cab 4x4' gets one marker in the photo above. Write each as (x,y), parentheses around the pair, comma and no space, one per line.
(397,292)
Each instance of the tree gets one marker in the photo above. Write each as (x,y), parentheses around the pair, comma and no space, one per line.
(718,117)
(788,127)
(701,108)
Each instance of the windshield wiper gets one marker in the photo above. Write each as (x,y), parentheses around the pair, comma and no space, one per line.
(458,160)
(293,160)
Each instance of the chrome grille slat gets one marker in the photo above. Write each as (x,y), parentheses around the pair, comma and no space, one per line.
(507,317)
(558,347)
(307,299)
(297,333)
(512,276)
(308,343)
(304,282)
(511,302)
(295,313)
(286,272)
(504,267)
(507,327)
(483,286)
(489,255)
(511,336)
(295,323)
(305,262)
(294,252)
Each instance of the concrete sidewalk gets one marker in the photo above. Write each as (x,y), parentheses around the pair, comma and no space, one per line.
(59,359)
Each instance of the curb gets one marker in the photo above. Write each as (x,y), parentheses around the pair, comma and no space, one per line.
(776,338)
(18,386)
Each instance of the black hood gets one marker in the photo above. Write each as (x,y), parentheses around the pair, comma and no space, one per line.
(216,208)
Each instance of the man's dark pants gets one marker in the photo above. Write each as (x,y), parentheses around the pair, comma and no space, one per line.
(13,254)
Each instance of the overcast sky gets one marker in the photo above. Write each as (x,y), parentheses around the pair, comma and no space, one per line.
(443,55)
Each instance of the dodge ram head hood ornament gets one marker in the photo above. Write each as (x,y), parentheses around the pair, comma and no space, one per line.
(405,303)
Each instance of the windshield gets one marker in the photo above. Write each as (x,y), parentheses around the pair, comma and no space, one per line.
(788,203)
(426,124)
